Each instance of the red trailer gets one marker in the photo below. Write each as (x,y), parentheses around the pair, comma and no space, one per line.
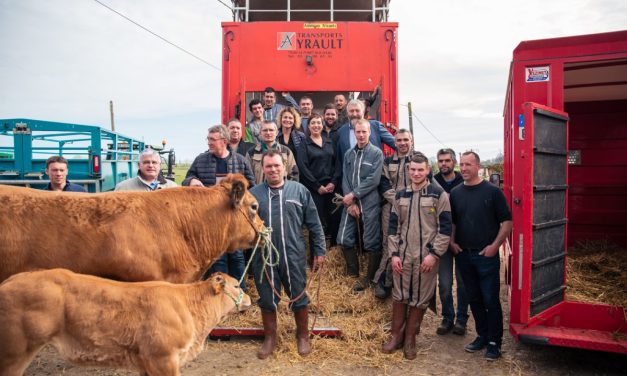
(565,178)
(313,48)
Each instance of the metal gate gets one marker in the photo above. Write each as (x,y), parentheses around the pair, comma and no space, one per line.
(549,176)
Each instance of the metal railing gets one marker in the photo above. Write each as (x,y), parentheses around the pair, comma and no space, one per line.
(378,10)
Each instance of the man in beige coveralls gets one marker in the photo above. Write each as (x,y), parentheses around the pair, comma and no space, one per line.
(419,233)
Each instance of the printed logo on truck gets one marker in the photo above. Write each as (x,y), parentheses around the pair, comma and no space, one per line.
(286,40)
(317,44)
(537,74)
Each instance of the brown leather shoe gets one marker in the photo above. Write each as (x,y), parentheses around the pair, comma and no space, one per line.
(269,331)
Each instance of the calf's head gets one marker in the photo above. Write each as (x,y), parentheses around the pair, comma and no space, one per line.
(226,285)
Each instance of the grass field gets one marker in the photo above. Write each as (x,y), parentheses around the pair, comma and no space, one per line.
(179,172)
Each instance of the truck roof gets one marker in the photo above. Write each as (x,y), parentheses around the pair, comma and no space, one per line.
(310,10)
(579,45)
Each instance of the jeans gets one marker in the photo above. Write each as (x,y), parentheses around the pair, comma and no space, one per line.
(482,281)
(232,264)
(445,286)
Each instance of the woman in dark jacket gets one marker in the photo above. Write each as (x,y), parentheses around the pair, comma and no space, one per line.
(316,162)
(290,133)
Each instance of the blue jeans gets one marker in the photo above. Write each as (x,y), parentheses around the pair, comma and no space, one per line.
(232,264)
(482,281)
(445,286)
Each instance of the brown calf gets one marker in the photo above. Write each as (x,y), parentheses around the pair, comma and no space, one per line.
(152,327)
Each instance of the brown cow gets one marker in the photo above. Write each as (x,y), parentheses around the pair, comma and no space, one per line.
(152,327)
(171,234)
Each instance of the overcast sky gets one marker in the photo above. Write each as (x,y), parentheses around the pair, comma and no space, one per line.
(63,60)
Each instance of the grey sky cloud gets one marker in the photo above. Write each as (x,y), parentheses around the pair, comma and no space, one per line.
(64,60)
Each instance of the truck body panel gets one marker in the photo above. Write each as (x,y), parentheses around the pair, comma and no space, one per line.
(566,184)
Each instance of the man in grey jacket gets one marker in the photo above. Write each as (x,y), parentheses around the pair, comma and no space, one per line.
(148,177)
(285,206)
(361,175)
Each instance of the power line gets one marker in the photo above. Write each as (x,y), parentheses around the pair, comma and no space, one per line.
(158,36)
(425,127)
(221,2)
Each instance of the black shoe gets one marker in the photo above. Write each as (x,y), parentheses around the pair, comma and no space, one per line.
(381,292)
(362,285)
(445,327)
(478,344)
(493,352)
(459,328)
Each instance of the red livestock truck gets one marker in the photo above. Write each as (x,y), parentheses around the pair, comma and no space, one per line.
(316,48)
(565,178)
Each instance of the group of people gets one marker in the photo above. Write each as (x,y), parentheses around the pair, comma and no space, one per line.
(417,230)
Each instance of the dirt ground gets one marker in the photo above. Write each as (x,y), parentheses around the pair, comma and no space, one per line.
(438,355)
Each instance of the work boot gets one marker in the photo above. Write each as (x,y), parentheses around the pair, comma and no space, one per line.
(302,331)
(269,332)
(399,311)
(374,259)
(352,261)
(445,327)
(381,292)
(412,327)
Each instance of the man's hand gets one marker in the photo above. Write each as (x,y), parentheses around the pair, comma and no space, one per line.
(348,199)
(397,266)
(195,183)
(317,263)
(285,93)
(322,190)
(330,187)
(489,251)
(428,263)
(455,248)
(354,211)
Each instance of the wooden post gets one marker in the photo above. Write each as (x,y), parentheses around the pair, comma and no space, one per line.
(411,120)
(112,120)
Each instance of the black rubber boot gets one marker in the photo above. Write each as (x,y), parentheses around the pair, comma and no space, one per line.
(352,261)
(374,259)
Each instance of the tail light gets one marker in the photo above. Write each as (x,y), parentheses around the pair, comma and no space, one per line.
(96,164)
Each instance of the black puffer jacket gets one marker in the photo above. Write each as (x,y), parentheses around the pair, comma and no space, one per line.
(204,169)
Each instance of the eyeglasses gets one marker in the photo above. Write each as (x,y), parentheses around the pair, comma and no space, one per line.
(214,139)
(268,130)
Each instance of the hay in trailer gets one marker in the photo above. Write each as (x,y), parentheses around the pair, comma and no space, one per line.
(363,319)
(597,273)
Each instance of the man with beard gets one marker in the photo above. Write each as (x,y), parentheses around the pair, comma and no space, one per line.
(340,104)
(448,179)
(346,137)
(331,125)
(395,178)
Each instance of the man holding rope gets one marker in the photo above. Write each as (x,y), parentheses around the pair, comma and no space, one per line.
(285,206)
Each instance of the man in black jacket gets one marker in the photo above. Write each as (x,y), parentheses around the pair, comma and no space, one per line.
(207,170)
